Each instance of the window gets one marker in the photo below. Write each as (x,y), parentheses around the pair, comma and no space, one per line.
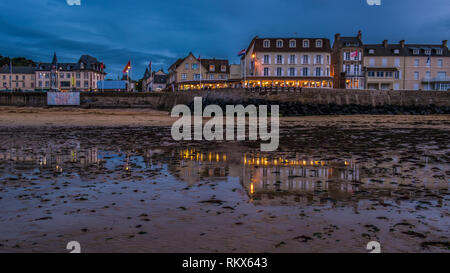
(40,83)
(279,71)
(371,74)
(266,71)
(279,43)
(212,68)
(442,75)
(211,76)
(380,74)
(416,76)
(416,51)
(305,43)
(194,66)
(266,59)
(292,43)
(427,51)
(416,86)
(197,77)
(416,62)
(86,84)
(279,59)
(78,75)
(347,56)
(319,43)
(266,43)
(68,75)
(356,69)
(305,59)
(319,59)
(347,69)
(291,71)
(397,62)
(292,59)
(384,62)
(184,76)
(371,51)
(62,75)
(438,51)
(305,71)
(389,74)
(328,59)
(440,63)
(86,75)
(223,68)
(186,66)
(318,71)
(428,75)
(78,84)
(396,86)
(396,51)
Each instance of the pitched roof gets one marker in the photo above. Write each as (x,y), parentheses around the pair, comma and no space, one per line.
(349,41)
(85,62)
(18,69)
(206,63)
(406,50)
(160,79)
(299,46)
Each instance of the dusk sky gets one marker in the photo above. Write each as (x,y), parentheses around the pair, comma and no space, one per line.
(141,30)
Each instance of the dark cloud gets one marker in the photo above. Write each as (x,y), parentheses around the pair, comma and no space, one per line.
(117,31)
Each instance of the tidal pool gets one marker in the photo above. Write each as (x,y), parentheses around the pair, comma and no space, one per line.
(136,190)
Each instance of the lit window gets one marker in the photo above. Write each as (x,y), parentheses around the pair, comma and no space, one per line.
(223,68)
(212,67)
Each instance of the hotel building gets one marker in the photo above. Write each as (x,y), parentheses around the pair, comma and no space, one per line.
(194,73)
(20,78)
(289,62)
(154,81)
(347,62)
(407,66)
(80,76)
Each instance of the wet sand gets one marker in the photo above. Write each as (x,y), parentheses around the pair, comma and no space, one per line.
(115,181)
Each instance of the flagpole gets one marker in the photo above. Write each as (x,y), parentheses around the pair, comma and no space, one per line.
(10,74)
(429,78)
(200,60)
(245,68)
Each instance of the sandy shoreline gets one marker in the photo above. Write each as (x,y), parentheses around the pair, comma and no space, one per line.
(75,117)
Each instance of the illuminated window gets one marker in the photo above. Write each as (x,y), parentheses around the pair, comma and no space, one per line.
(212,67)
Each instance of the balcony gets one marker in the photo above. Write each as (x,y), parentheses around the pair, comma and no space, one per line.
(436,79)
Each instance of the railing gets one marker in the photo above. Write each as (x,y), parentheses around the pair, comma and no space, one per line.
(436,79)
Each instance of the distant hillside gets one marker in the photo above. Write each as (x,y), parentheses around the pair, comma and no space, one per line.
(17,61)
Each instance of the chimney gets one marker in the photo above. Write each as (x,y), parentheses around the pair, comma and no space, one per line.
(385,43)
(402,43)
(337,36)
(445,43)
(359,34)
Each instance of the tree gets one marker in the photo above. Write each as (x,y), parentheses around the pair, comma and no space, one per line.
(16,61)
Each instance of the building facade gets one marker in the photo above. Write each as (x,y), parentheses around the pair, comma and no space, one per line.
(80,76)
(407,66)
(289,62)
(154,81)
(347,62)
(194,73)
(20,78)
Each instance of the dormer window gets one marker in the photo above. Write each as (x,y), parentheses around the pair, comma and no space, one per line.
(305,43)
(396,51)
(427,51)
(266,43)
(438,51)
(292,43)
(223,68)
(279,43)
(416,51)
(371,51)
(319,43)
(212,68)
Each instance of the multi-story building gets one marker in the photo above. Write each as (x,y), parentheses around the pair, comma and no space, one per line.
(291,62)
(81,76)
(194,73)
(347,62)
(154,81)
(407,66)
(19,78)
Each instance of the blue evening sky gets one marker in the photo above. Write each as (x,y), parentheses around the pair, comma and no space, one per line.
(142,30)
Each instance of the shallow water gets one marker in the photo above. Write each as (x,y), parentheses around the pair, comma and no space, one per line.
(136,190)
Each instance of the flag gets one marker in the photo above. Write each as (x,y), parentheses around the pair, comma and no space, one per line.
(127,67)
(10,66)
(102,66)
(242,52)
(428,60)
(354,54)
(150,66)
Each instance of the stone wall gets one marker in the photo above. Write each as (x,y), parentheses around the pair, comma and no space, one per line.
(292,102)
